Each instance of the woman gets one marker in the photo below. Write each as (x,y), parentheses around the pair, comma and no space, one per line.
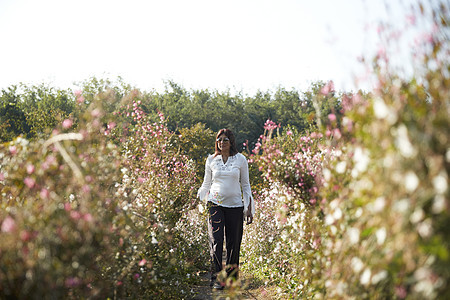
(226,188)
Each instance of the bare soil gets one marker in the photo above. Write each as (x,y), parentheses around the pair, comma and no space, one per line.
(245,288)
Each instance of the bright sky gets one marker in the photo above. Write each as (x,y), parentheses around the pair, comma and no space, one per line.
(244,45)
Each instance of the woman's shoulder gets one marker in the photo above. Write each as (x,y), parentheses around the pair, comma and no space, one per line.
(211,157)
(240,157)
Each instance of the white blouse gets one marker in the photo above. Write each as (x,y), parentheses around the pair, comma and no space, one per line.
(223,182)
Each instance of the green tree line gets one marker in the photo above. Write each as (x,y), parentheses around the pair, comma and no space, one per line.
(34,110)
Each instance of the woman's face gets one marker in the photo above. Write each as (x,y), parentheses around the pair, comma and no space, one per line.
(223,143)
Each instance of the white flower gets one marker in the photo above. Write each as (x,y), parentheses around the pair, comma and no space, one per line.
(440,183)
(402,142)
(401,205)
(411,181)
(425,228)
(438,204)
(333,230)
(340,167)
(21,141)
(334,204)
(379,108)
(200,208)
(361,159)
(381,235)
(357,264)
(379,204)
(379,276)
(337,213)
(365,277)
(382,111)
(422,274)
(326,174)
(353,234)
(417,216)
(336,153)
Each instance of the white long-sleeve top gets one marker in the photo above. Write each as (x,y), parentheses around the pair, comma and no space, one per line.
(227,184)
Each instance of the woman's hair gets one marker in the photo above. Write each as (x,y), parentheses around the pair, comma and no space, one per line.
(229,134)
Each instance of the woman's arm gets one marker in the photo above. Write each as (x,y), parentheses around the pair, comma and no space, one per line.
(249,203)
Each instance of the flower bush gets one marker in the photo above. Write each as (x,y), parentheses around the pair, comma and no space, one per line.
(385,224)
(377,229)
(287,233)
(58,215)
(160,183)
(99,211)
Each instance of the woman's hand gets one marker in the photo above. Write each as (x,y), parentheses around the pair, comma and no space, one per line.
(249,216)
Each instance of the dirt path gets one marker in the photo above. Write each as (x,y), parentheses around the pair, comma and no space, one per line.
(245,289)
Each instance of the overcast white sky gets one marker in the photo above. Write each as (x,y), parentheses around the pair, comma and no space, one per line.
(238,44)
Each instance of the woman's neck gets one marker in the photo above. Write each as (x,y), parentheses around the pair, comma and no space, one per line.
(225,157)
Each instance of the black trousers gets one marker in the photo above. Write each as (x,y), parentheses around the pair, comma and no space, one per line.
(231,222)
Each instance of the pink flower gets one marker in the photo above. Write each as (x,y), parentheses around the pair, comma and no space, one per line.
(337,133)
(270,125)
(411,19)
(29,182)
(12,150)
(88,217)
(95,113)
(77,93)
(289,132)
(86,189)
(25,235)
(111,125)
(44,193)
(332,117)
(75,215)
(67,123)
(80,99)
(401,292)
(8,225)
(142,262)
(30,169)
(380,28)
(136,276)
(381,53)
(327,88)
(72,282)
(2,176)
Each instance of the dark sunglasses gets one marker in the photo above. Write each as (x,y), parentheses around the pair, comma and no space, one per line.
(224,140)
